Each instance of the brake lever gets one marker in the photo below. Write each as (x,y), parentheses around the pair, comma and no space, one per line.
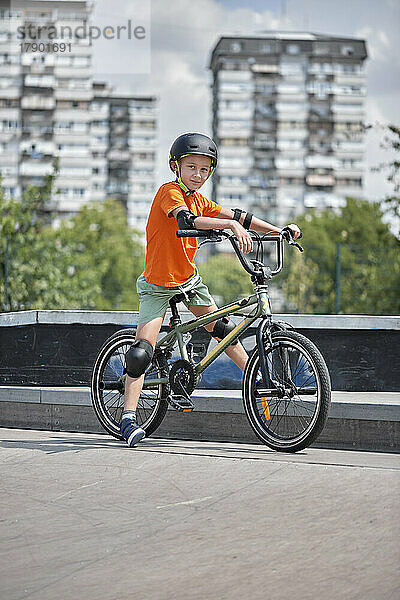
(210,241)
(212,237)
(297,246)
(287,234)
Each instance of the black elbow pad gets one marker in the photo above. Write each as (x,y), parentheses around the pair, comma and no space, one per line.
(185,219)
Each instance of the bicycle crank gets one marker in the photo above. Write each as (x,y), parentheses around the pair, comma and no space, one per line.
(182,379)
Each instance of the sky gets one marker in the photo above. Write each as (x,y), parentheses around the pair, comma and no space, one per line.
(173,62)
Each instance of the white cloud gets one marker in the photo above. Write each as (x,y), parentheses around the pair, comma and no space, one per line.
(378,42)
(183,34)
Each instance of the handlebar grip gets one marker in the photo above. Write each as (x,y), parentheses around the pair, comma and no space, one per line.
(193,233)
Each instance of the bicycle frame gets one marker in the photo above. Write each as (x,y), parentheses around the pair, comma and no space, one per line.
(260,298)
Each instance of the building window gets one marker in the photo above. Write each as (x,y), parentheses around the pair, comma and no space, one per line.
(236,46)
(266,48)
(347,50)
(292,49)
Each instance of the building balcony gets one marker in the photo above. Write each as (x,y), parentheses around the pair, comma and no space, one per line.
(67,204)
(72,73)
(73,94)
(263,144)
(38,103)
(293,134)
(355,172)
(233,170)
(141,131)
(233,151)
(349,78)
(265,68)
(9,134)
(353,191)
(9,114)
(75,115)
(348,147)
(143,197)
(36,129)
(139,115)
(236,133)
(354,98)
(39,81)
(145,179)
(9,70)
(10,92)
(99,130)
(231,114)
(234,76)
(232,188)
(119,155)
(321,161)
(74,154)
(65,137)
(38,149)
(139,144)
(323,200)
(243,96)
(35,169)
(320,180)
(288,171)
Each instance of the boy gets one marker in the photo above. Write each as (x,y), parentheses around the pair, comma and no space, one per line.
(169,265)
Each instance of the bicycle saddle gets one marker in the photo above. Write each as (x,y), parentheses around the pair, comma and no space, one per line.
(181,297)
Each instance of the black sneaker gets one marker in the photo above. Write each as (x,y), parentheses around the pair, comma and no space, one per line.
(131,432)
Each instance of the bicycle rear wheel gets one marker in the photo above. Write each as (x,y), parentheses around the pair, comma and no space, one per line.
(108,386)
(289,411)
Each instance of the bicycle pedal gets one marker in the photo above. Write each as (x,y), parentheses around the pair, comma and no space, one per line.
(180,403)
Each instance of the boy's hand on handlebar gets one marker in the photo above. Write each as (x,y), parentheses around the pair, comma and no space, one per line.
(295,230)
(243,237)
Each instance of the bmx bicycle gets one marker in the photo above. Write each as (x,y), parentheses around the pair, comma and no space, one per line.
(286,385)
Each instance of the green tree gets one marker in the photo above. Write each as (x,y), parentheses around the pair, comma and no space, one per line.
(370,263)
(100,234)
(225,278)
(89,262)
(21,221)
(391,168)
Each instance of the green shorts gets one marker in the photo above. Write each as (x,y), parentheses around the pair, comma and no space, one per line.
(154,299)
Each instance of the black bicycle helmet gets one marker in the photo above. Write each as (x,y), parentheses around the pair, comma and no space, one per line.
(194,143)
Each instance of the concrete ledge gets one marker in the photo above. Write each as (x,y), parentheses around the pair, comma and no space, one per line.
(370,406)
(125,318)
(363,420)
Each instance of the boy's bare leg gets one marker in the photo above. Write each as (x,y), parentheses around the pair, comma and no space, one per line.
(237,353)
(133,386)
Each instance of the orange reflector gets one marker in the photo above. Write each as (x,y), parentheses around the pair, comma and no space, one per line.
(265,406)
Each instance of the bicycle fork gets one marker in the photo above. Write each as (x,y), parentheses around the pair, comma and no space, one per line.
(269,375)
(265,324)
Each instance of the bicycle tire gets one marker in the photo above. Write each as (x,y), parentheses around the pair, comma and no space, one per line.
(293,411)
(107,387)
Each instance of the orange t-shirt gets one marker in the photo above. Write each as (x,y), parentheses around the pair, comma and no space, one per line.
(170,260)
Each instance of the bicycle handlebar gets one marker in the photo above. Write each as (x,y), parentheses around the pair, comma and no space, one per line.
(217,234)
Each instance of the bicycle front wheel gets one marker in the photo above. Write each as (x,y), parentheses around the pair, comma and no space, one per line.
(289,411)
(108,386)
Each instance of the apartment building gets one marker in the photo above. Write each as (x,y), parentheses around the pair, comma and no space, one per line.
(132,154)
(288,116)
(51,107)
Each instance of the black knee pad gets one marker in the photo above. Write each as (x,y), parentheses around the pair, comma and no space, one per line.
(138,358)
(222,327)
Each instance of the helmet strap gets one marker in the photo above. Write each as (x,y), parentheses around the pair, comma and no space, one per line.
(179,181)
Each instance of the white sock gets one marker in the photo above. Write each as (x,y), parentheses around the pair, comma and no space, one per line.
(129,414)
